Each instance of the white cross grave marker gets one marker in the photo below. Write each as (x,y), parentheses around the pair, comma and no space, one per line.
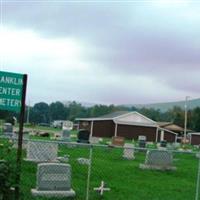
(101,189)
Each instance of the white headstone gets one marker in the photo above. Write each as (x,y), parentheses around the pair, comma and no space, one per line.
(53,180)
(42,151)
(128,151)
(94,140)
(67,125)
(142,137)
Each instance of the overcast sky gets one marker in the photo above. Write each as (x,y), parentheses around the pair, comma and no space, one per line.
(107,52)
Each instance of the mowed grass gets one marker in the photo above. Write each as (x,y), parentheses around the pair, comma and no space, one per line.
(124,177)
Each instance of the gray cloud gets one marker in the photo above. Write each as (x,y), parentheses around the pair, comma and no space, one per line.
(124,39)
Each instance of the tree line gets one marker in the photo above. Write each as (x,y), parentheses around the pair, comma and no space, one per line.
(46,113)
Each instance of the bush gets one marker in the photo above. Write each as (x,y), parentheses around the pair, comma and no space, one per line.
(5,180)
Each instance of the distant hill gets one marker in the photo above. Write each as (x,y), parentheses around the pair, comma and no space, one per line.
(84,104)
(169,105)
(193,103)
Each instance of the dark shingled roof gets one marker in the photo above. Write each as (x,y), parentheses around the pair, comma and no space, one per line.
(114,114)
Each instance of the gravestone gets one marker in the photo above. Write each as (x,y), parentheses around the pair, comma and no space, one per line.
(65,135)
(41,151)
(83,161)
(163,143)
(198,155)
(128,151)
(142,137)
(53,180)
(185,141)
(142,141)
(83,136)
(176,145)
(24,141)
(64,159)
(101,188)
(159,160)
(170,146)
(118,141)
(8,129)
(94,140)
(67,125)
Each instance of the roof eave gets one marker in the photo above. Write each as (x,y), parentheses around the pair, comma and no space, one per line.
(135,124)
(93,119)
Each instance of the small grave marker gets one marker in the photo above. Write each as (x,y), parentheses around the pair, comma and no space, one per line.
(118,141)
(83,161)
(101,188)
(94,140)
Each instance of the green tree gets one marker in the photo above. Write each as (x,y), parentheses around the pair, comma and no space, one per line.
(77,110)
(58,111)
(151,113)
(40,113)
(195,119)
(177,116)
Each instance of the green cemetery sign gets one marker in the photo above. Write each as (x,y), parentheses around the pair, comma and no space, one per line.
(11,85)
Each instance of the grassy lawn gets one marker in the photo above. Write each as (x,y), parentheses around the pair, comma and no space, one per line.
(126,180)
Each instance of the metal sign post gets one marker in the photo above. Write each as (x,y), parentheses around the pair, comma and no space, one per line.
(20,138)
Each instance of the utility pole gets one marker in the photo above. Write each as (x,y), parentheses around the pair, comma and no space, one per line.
(185,124)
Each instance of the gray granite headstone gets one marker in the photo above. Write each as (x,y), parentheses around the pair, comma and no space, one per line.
(158,159)
(53,180)
(94,140)
(53,176)
(176,145)
(65,135)
(24,142)
(128,151)
(42,151)
(8,129)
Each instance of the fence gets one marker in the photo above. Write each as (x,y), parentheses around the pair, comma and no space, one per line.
(81,170)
